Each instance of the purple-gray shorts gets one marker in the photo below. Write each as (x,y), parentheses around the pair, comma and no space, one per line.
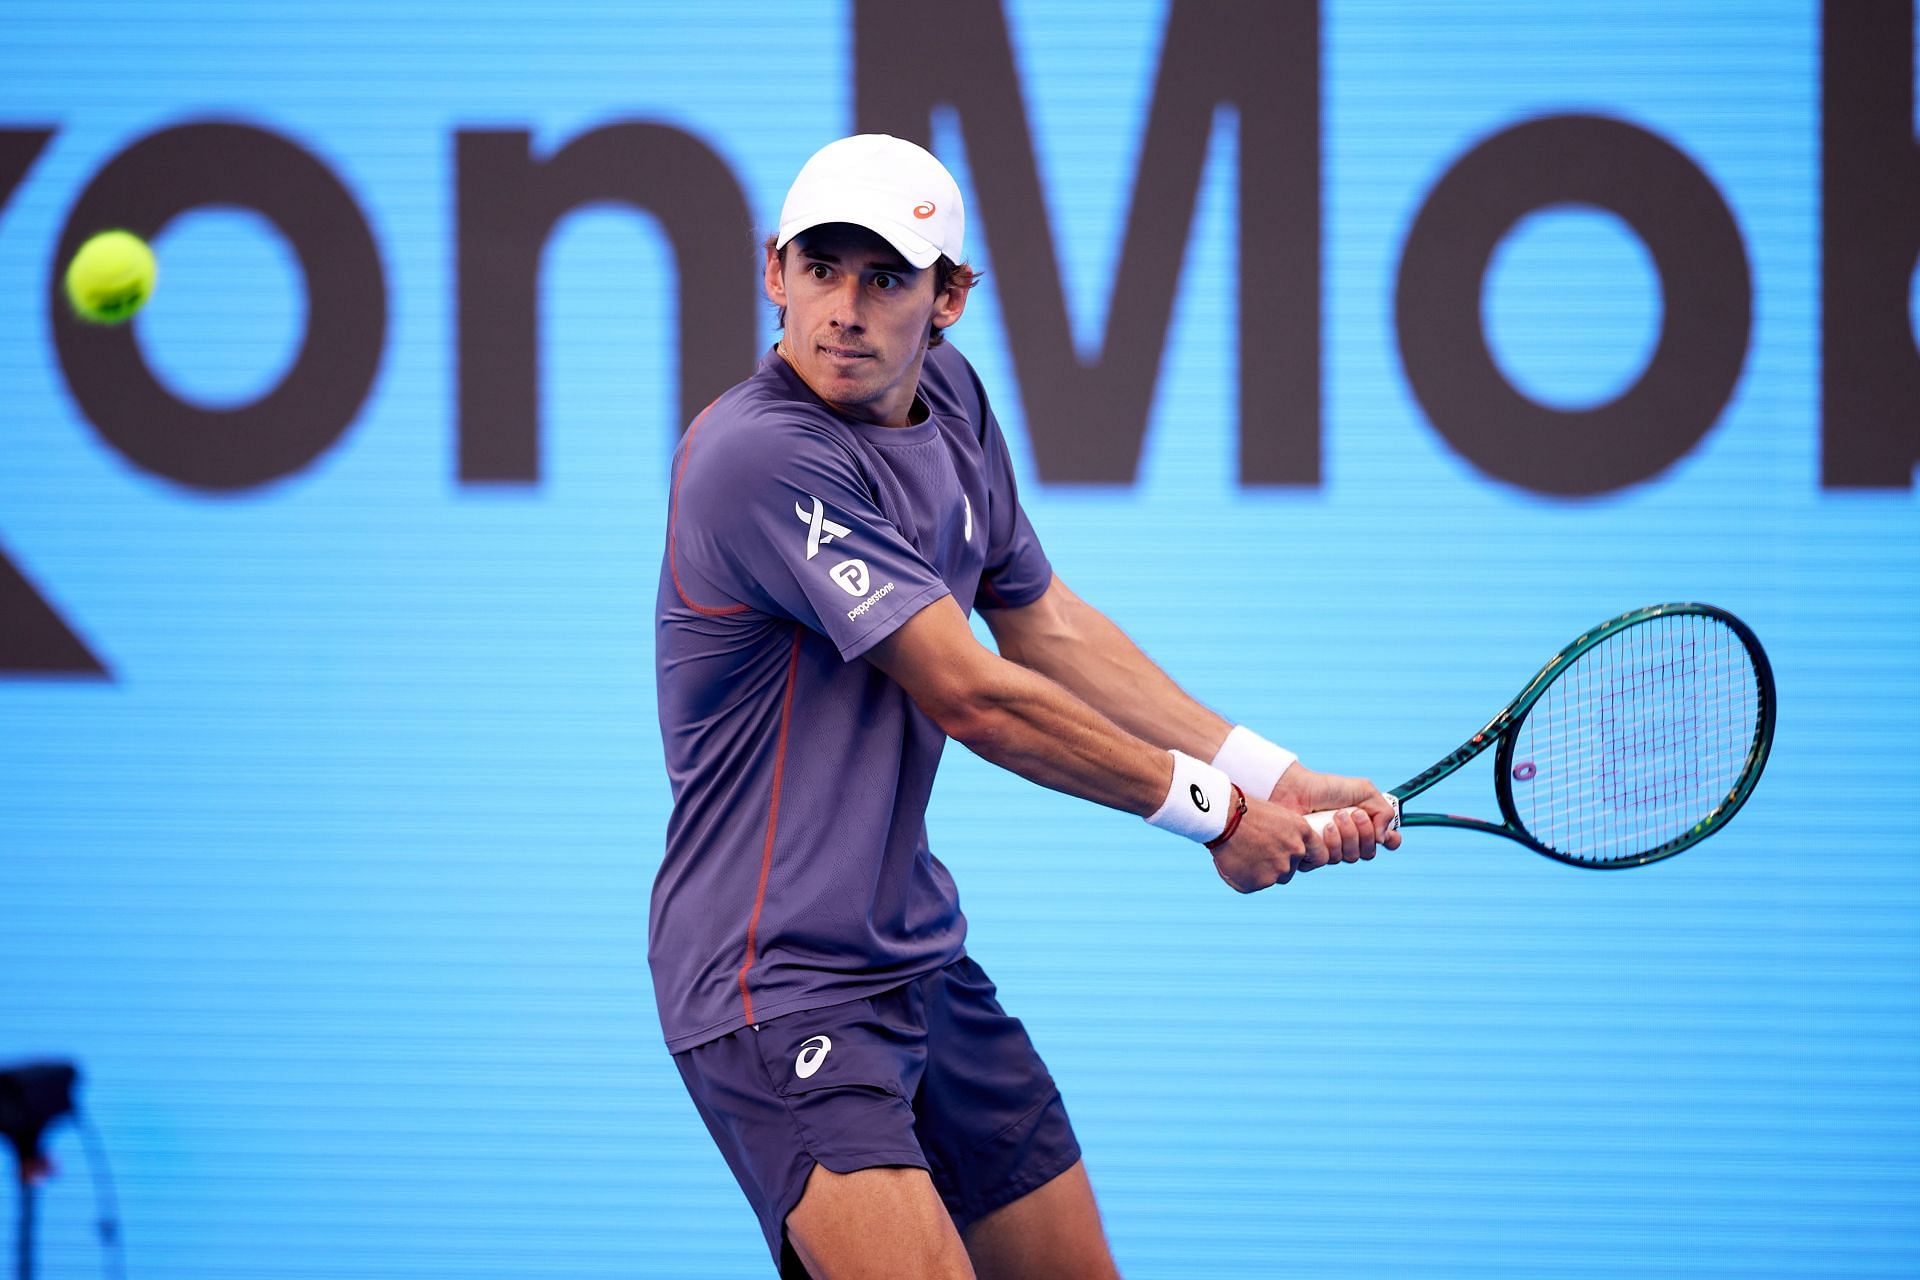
(933,1074)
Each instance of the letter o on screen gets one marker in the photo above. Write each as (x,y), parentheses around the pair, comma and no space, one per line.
(144,187)
(1676,211)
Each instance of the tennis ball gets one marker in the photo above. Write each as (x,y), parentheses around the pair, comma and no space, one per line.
(111,276)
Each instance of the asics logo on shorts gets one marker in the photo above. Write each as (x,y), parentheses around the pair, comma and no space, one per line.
(812,1053)
(820,530)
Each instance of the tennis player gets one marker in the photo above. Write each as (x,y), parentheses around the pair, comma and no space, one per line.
(833,520)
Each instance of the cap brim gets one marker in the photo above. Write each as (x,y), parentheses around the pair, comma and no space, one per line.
(919,251)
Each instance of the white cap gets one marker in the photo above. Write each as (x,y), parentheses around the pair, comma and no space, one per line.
(886,184)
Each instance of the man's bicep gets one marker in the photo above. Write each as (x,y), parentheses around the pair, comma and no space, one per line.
(935,657)
(1026,632)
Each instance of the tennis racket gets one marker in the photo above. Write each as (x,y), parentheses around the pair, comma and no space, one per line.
(1641,738)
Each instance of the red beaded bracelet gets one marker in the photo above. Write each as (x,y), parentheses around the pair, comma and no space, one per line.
(1236,811)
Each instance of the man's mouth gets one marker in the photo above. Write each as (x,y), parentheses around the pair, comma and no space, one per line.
(844,353)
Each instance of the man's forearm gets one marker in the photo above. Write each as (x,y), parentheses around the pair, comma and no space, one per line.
(1025,722)
(1019,719)
(1069,641)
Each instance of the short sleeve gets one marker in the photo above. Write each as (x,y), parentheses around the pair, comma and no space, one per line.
(777,516)
(1017,571)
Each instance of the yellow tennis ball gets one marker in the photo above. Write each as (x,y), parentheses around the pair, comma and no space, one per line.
(111,277)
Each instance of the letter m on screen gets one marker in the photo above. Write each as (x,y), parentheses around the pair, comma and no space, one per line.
(1087,418)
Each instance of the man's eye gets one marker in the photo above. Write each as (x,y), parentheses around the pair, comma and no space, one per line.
(884,281)
(818,271)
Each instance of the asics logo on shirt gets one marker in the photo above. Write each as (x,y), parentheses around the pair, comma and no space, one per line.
(813,1052)
(968,535)
(820,530)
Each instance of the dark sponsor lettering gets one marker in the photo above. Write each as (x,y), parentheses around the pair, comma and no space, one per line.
(144,188)
(509,203)
(1869,239)
(1672,206)
(1086,418)
(33,638)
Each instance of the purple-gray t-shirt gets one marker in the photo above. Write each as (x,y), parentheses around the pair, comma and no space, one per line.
(797,872)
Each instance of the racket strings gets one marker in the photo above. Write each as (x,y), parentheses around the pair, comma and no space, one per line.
(1638,740)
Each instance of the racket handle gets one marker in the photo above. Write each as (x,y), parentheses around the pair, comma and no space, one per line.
(1323,819)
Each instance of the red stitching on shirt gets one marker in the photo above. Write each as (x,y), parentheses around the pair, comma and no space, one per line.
(673,509)
(773,822)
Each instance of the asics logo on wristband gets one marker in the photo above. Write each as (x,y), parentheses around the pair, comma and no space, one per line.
(820,530)
(1196,802)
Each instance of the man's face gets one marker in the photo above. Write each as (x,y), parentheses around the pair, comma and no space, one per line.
(857,319)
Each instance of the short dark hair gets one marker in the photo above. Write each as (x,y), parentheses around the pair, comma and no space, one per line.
(947,274)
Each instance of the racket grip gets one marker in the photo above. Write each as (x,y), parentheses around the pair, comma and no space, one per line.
(1321,820)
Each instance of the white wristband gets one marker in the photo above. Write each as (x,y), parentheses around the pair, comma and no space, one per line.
(1198,803)
(1252,761)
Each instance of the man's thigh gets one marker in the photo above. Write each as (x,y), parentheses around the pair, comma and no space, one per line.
(875,1224)
(1002,1156)
(880,1224)
(932,1078)
(824,1089)
(1052,1233)
(987,1114)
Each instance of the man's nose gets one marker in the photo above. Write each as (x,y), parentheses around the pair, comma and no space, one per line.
(846,311)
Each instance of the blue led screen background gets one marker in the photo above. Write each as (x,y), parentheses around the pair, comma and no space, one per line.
(335,880)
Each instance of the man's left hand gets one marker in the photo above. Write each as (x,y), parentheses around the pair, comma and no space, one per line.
(1348,840)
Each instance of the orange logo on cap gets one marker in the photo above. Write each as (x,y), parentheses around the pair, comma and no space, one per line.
(923,210)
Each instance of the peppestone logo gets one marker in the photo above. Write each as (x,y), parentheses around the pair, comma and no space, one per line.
(853,614)
(813,1052)
(820,530)
(851,575)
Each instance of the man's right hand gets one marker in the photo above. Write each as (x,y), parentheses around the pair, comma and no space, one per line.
(1273,842)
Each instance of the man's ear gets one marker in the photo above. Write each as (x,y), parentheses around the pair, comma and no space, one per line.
(948,307)
(776,282)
